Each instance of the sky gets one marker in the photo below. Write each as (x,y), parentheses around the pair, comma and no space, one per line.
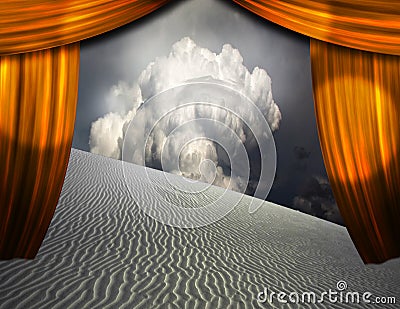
(121,60)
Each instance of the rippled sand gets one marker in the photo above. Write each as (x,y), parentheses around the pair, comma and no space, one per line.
(102,251)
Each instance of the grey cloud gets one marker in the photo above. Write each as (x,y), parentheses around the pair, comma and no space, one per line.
(301,153)
(317,199)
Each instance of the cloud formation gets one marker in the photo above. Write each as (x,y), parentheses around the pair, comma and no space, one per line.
(187,61)
(301,153)
(317,199)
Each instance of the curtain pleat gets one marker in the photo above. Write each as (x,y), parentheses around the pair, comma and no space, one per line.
(357,105)
(38,95)
(32,25)
(372,25)
(39,67)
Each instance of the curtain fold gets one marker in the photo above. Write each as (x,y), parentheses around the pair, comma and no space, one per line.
(356,97)
(372,25)
(38,94)
(27,26)
(357,105)
(39,70)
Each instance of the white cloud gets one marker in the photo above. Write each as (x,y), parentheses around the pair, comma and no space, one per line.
(186,61)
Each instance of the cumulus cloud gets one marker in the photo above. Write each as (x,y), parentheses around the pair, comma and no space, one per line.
(186,61)
(317,199)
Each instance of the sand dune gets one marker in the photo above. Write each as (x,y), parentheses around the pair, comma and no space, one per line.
(102,251)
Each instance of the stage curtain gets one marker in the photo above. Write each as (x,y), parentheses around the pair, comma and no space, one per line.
(29,25)
(39,70)
(38,93)
(357,105)
(372,25)
(356,96)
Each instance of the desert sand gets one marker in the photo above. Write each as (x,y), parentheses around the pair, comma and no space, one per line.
(102,251)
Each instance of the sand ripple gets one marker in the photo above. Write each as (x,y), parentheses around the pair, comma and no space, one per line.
(102,251)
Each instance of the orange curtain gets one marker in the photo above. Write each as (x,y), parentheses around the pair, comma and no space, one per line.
(39,70)
(372,25)
(38,93)
(29,25)
(356,96)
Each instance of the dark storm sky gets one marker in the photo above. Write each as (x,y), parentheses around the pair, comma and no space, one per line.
(122,54)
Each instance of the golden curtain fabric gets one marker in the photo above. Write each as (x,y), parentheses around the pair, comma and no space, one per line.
(39,70)
(38,93)
(356,98)
(372,25)
(29,25)
(357,103)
